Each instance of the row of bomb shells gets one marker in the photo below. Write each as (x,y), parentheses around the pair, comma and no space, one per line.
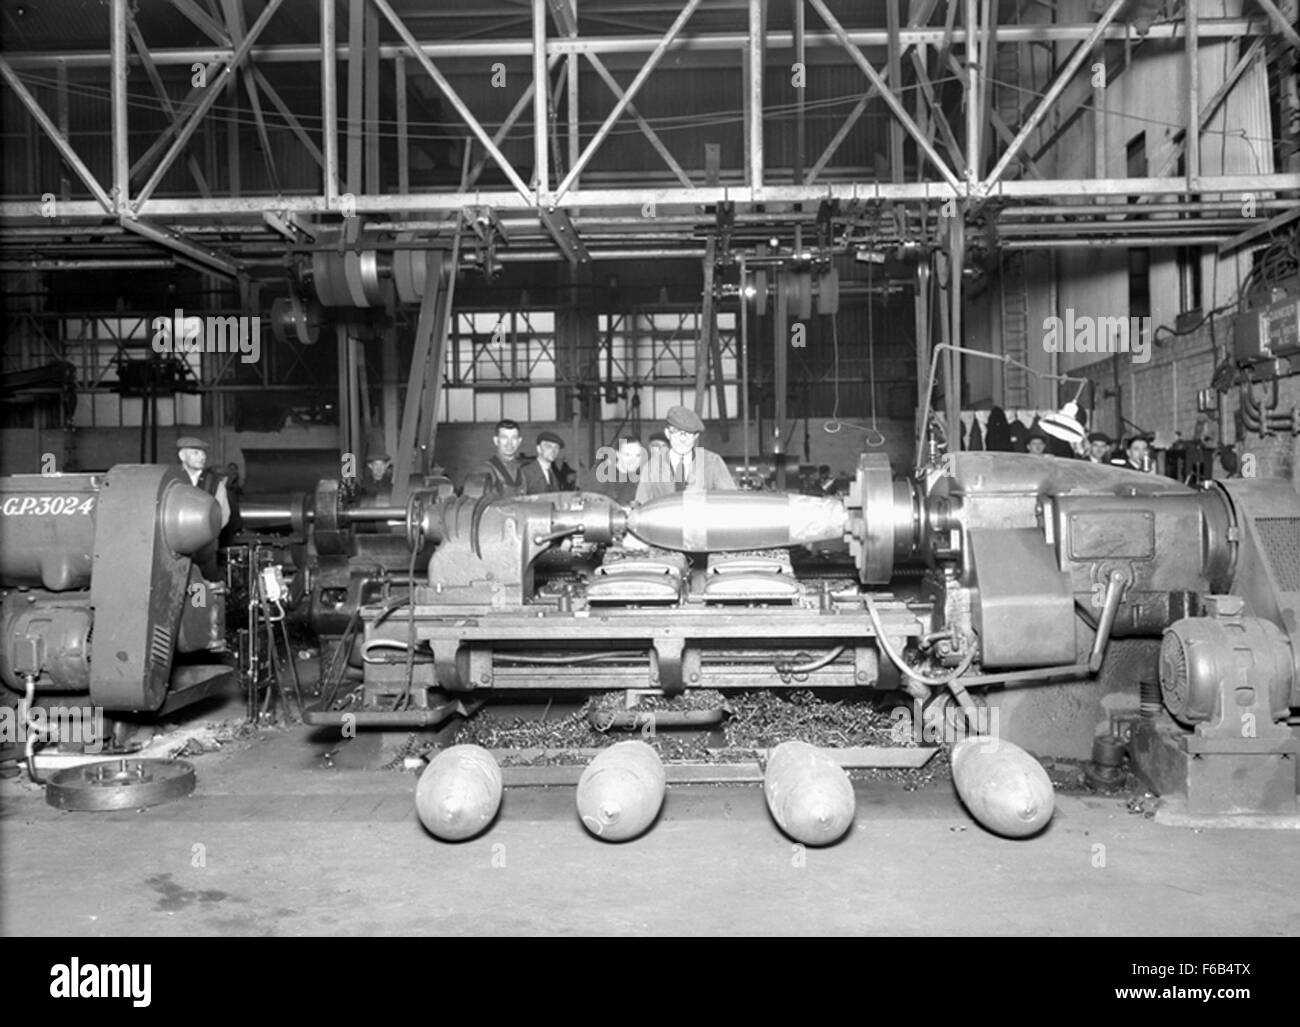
(808,793)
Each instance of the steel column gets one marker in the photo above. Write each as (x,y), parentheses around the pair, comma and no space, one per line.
(329,104)
(1192,141)
(120,130)
(754,95)
(403,151)
(541,97)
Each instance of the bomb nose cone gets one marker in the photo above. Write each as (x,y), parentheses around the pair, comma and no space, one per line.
(810,796)
(621,791)
(459,793)
(190,519)
(1004,788)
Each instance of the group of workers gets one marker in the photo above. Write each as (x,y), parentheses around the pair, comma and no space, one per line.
(634,473)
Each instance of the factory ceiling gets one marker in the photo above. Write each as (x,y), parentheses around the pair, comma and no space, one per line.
(210,134)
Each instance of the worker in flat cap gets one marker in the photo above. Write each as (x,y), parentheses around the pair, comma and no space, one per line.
(1036,442)
(683,466)
(377,486)
(194,470)
(542,473)
(1137,455)
(1099,446)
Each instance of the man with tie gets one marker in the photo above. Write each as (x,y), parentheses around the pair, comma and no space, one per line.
(540,474)
(683,466)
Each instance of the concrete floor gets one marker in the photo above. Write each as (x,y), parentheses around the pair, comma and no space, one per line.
(276,841)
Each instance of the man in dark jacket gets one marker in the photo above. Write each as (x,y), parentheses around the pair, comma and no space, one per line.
(503,471)
(542,474)
(194,470)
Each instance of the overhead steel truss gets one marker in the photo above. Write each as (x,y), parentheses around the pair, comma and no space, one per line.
(558,216)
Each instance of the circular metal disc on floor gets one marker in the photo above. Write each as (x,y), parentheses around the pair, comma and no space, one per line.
(119,784)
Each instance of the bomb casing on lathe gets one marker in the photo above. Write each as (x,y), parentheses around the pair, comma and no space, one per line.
(809,794)
(1002,786)
(719,522)
(621,791)
(459,793)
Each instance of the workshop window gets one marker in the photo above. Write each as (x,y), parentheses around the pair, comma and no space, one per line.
(500,364)
(647,361)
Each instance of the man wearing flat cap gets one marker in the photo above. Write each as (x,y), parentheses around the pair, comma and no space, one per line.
(683,466)
(194,471)
(541,473)
(1099,446)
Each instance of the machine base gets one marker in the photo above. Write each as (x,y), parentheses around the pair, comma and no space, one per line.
(1215,776)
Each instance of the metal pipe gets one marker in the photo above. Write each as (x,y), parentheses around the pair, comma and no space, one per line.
(142,264)
(329,105)
(117,83)
(1143,240)
(973,107)
(472,49)
(541,89)
(1124,228)
(743,356)
(667,197)
(1192,138)
(1067,210)
(754,95)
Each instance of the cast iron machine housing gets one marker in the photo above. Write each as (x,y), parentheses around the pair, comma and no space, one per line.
(100,596)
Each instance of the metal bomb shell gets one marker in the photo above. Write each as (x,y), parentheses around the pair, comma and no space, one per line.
(1002,786)
(719,522)
(459,792)
(809,794)
(620,792)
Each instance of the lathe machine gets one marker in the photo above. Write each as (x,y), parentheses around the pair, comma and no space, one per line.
(990,572)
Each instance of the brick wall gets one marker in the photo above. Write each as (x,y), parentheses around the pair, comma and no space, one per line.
(1160,397)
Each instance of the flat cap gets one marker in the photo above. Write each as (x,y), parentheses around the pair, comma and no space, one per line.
(685,419)
(659,437)
(1100,436)
(549,436)
(190,442)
